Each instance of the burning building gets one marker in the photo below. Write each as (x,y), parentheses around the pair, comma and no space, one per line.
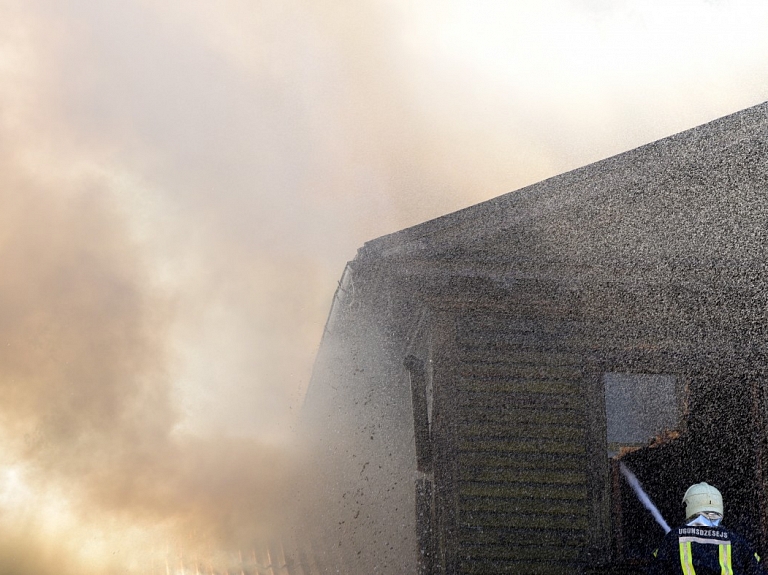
(482,373)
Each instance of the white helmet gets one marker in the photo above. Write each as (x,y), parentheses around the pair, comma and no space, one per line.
(702,497)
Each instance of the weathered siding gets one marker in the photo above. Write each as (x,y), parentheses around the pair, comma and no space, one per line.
(522,449)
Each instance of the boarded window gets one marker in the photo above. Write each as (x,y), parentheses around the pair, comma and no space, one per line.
(639,407)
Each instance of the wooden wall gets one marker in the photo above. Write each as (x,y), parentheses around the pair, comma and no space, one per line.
(521,445)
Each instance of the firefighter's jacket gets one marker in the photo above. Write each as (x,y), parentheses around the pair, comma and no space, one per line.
(699,550)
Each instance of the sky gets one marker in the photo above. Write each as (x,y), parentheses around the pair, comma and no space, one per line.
(182,183)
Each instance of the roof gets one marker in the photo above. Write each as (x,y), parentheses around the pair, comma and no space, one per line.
(697,198)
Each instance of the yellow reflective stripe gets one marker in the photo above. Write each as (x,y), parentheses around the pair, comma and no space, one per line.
(686,558)
(730,563)
(726,567)
(721,557)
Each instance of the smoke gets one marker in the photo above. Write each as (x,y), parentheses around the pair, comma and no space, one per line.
(89,414)
(182,182)
(100,468)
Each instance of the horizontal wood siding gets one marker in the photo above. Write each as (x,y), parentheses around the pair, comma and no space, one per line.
(522,456)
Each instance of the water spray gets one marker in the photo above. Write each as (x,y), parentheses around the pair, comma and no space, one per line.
(643,497)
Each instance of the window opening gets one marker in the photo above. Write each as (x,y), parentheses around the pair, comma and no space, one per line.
(639,407)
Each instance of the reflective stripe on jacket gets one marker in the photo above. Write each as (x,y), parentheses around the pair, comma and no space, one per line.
(697,550)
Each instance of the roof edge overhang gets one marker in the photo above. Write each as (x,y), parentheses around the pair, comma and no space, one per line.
(552,193)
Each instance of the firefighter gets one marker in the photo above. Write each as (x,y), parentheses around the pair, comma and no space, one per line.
(702,546)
